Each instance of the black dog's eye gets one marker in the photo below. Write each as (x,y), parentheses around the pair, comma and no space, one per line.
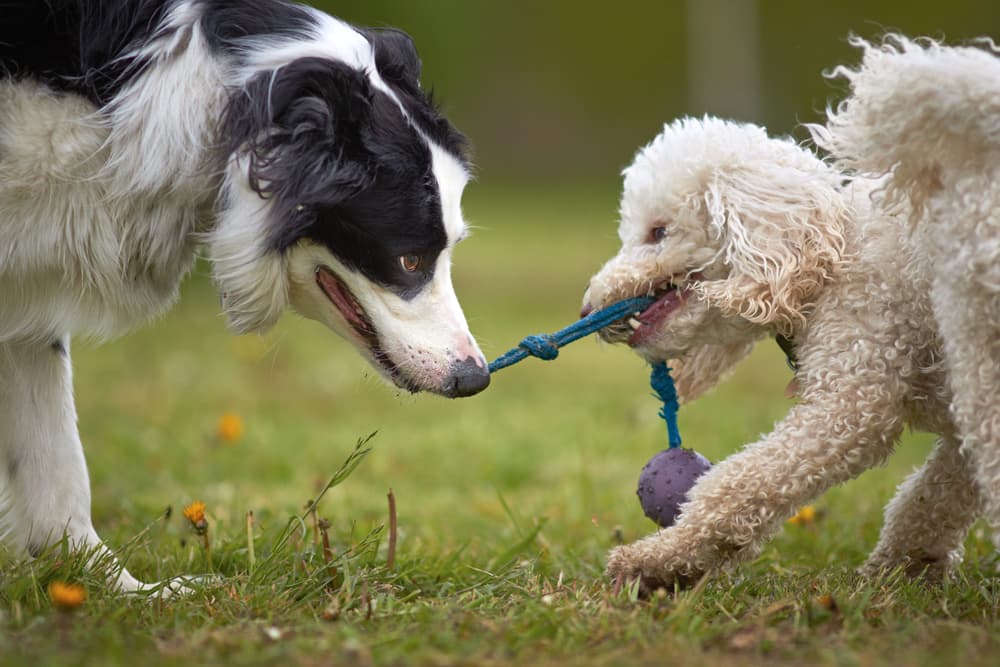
(411,263)
(657,234)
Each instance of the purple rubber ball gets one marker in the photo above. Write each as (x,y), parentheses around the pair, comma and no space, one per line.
(666,480)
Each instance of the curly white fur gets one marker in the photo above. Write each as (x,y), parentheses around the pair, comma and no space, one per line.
(888,282)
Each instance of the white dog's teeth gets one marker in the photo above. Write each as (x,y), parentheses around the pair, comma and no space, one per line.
(634,323)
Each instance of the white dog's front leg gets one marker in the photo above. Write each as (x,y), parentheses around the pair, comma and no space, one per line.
(45,488)
(744,499)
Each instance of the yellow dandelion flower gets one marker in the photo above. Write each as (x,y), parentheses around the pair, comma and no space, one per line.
(66,597)
(229,428)
(827,602)
(195,513)
(804,516)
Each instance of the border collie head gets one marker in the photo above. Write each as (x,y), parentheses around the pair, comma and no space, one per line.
(342,199)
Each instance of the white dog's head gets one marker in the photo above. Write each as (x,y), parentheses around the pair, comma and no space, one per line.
(734,233)
(342,200)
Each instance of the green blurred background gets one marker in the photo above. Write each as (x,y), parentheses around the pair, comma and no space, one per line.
(563,90)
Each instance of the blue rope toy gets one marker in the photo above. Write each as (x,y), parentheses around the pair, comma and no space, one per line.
(546,347)
(665,481)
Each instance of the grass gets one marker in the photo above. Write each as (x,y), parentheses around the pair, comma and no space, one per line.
(507,502)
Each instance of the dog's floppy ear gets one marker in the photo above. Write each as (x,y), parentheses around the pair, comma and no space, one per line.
(295,137)
(705,366)
(399,66)
(396,58)
(782,231)
(300,129)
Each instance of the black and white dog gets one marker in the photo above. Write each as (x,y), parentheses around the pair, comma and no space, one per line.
(299,150)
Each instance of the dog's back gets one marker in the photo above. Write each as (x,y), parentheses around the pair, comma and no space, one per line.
(99,202)
(77,253)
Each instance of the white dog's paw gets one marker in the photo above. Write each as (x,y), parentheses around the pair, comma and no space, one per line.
(932,569)
(653,563)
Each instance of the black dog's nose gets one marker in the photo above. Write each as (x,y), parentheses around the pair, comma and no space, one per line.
(467,378)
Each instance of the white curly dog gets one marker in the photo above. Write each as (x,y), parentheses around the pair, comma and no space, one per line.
(883,272)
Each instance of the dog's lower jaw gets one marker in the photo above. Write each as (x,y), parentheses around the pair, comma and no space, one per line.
(452,372)
(355,319)
(671,294)
(465,377)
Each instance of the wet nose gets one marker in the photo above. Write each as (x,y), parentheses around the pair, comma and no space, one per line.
(586,310)
(469,376)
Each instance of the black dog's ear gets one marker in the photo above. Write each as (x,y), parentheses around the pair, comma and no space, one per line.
(300,129)
(399,65)
(396,57)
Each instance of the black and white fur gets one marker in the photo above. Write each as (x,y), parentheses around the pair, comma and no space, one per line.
(298,150)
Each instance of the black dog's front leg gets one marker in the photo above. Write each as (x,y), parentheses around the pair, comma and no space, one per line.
(46,489)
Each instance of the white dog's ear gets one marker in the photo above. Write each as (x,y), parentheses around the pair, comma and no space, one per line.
(705,366)
(782,232)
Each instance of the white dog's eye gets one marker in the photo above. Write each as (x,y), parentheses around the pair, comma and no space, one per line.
(410,263)
(657,234)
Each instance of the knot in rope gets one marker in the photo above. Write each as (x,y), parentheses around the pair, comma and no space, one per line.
(663,389)
(546,346)
(541,346)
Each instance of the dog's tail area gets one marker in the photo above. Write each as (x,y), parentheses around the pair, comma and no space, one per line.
(917,109)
